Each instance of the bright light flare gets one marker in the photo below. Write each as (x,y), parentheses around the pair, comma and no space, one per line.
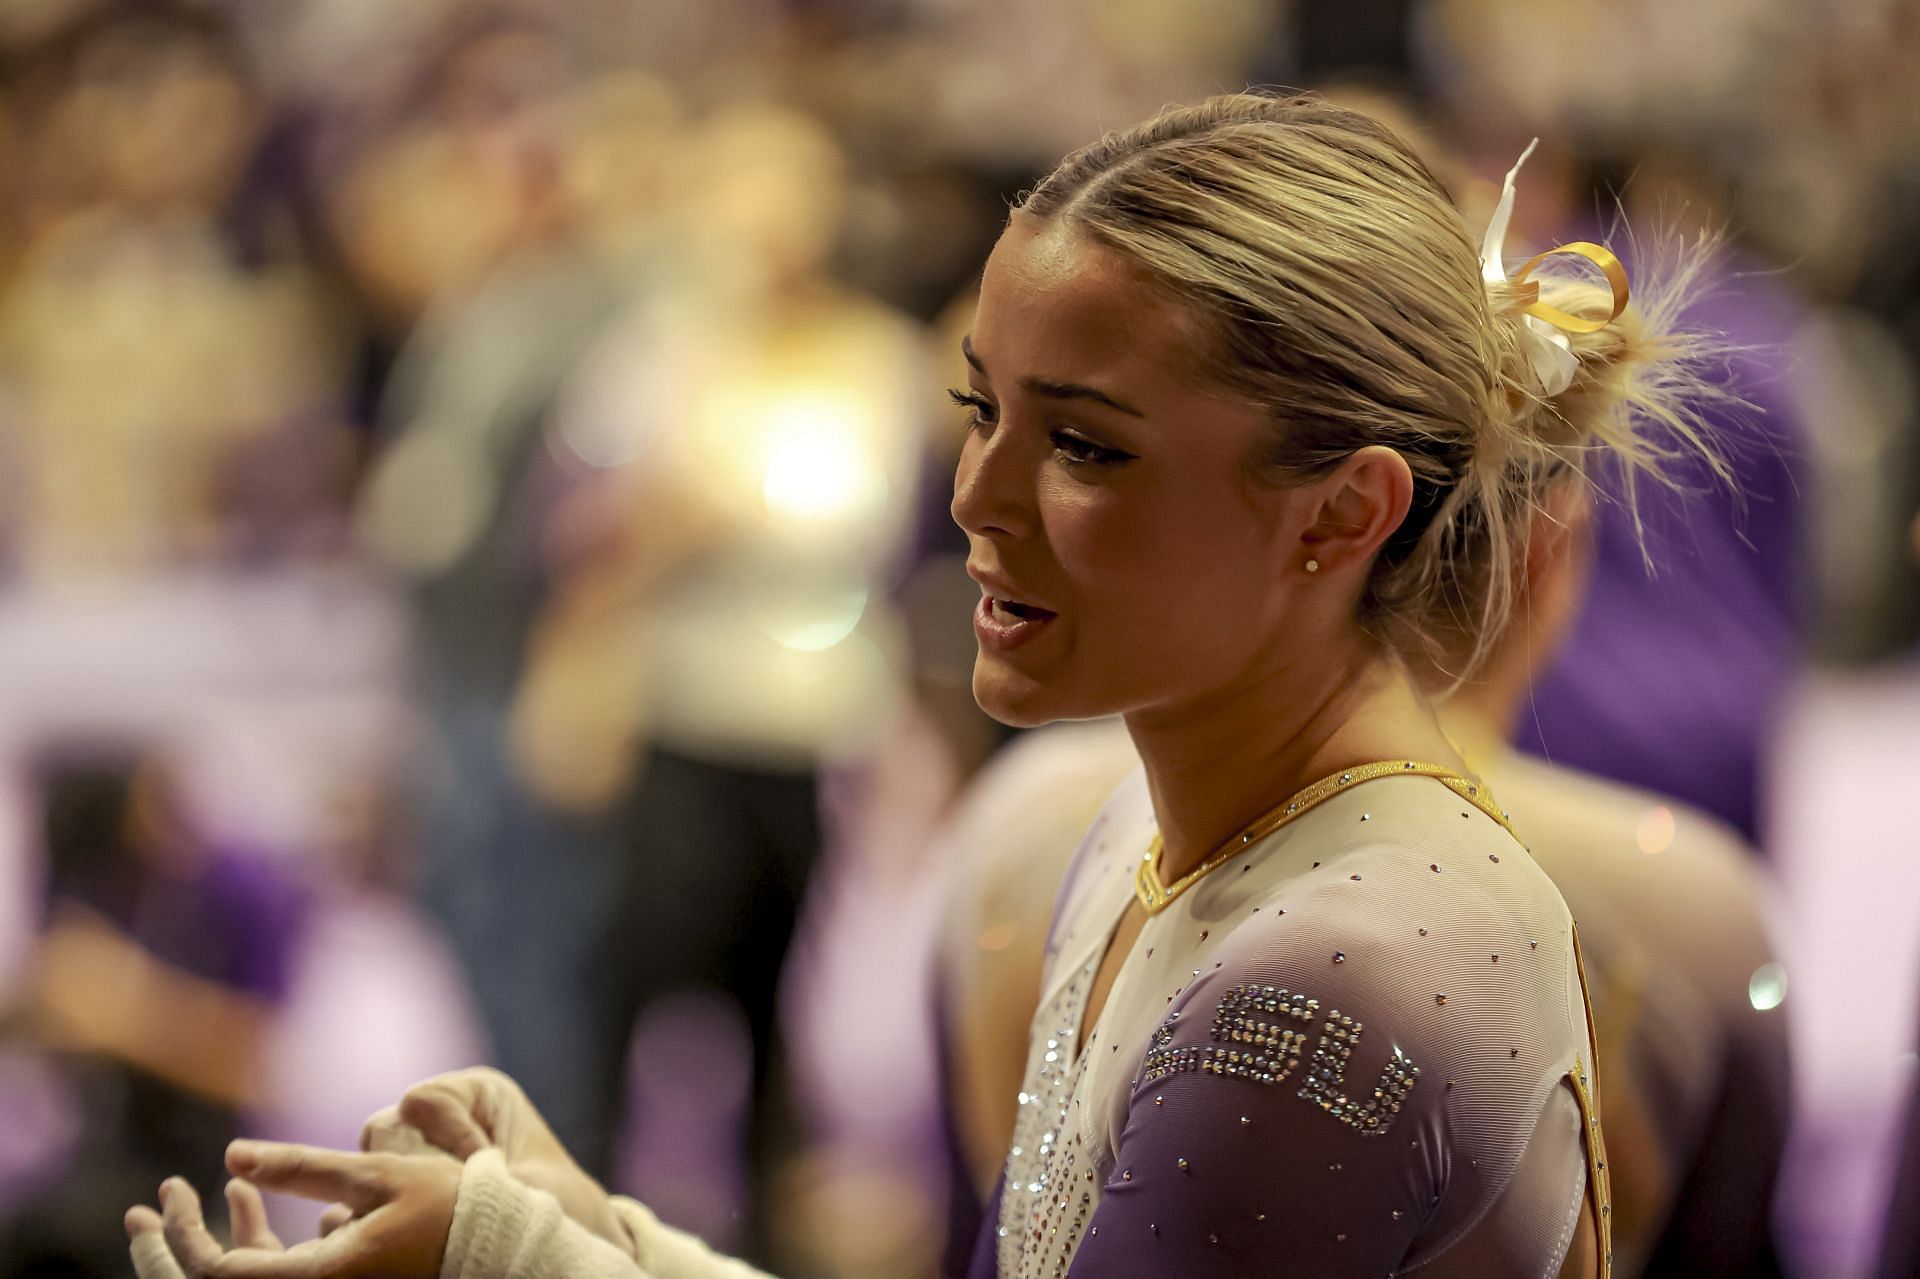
(1767,987)
(820,468)
(1655,832)
(819,624)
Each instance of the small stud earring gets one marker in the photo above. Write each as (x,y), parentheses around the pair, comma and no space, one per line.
(1313,566)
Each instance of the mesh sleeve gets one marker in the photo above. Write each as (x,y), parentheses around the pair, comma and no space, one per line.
(1368,1082)
(1531,1224)
(1225,1169)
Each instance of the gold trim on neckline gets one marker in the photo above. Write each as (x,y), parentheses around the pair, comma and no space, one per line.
(1155,896)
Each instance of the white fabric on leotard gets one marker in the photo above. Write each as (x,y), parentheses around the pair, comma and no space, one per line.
(1401,923)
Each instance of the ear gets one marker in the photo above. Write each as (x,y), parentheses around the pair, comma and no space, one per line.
(1357,508)
(1556,538)
(1553,573)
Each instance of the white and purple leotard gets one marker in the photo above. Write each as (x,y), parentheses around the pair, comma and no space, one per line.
(1361,1048)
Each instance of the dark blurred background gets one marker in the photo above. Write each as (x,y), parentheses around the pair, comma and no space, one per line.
(475,581)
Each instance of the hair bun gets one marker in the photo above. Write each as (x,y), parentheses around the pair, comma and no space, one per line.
(1628,385)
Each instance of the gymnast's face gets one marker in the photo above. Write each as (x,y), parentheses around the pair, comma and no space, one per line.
(1127,560)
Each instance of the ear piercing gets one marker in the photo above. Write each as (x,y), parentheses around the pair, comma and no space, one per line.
(1313,566)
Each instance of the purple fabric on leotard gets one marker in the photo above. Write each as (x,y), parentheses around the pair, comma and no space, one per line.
(985,1261)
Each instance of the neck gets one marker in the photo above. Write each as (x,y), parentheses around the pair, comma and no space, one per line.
(1476,729)
(1216,766)
(1481,714)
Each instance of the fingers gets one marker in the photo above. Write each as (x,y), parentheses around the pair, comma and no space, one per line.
(148,1244)
(454,1113)
(148,1247)
(248,1213)
(378,1128)
(175,1244)
(185,1228)
(500,1105)
(387,1134)
(311,1172)
(444,1116)
(336,1216)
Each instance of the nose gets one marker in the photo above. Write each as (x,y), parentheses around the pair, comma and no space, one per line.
(992,490)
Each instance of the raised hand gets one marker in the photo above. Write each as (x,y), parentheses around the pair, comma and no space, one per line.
(400,1206)
(245,1212)
(471,1110)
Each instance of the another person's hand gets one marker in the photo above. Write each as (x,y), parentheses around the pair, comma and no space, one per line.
(470,1110)
(401,1205)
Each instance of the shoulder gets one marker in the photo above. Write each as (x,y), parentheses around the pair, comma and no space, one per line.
(1427,953)
(1057,777)
(1009,840)
(1575,814)
(1452,958)
(1414,1068)
(1385,992)
(1643,868)
(1393,865)
(1421,941)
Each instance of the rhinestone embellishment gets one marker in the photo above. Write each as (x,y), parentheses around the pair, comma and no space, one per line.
(1252,1039)
(1374,1115)
(1252,1020)
(1041,1213)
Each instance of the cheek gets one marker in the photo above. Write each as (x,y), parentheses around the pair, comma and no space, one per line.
(1151,565)
(1096,539)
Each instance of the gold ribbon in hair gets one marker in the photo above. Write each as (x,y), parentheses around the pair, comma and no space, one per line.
(1601,257)
(1544,328)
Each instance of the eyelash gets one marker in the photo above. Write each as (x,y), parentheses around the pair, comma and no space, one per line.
(1074,450)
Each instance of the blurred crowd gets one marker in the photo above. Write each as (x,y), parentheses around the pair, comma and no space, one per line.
(475,580)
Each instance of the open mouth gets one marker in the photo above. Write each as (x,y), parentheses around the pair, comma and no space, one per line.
(1003,624)
(1014,611)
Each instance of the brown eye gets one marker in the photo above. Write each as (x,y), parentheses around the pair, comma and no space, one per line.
(1077,450)
(980,409)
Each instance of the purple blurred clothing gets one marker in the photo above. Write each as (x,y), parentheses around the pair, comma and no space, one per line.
(1845,849)
(231,920)
(1670,680)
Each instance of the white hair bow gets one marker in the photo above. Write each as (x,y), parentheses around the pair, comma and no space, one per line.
(1544,328)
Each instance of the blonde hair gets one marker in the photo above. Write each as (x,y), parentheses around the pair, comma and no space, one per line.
(1338,288)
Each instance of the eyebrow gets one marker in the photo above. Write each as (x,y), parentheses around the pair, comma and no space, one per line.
(1055,390)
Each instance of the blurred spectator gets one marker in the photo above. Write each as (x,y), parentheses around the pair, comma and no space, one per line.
(457,218)
(142,357)
(757,426)
(1852,902)
(155,977)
